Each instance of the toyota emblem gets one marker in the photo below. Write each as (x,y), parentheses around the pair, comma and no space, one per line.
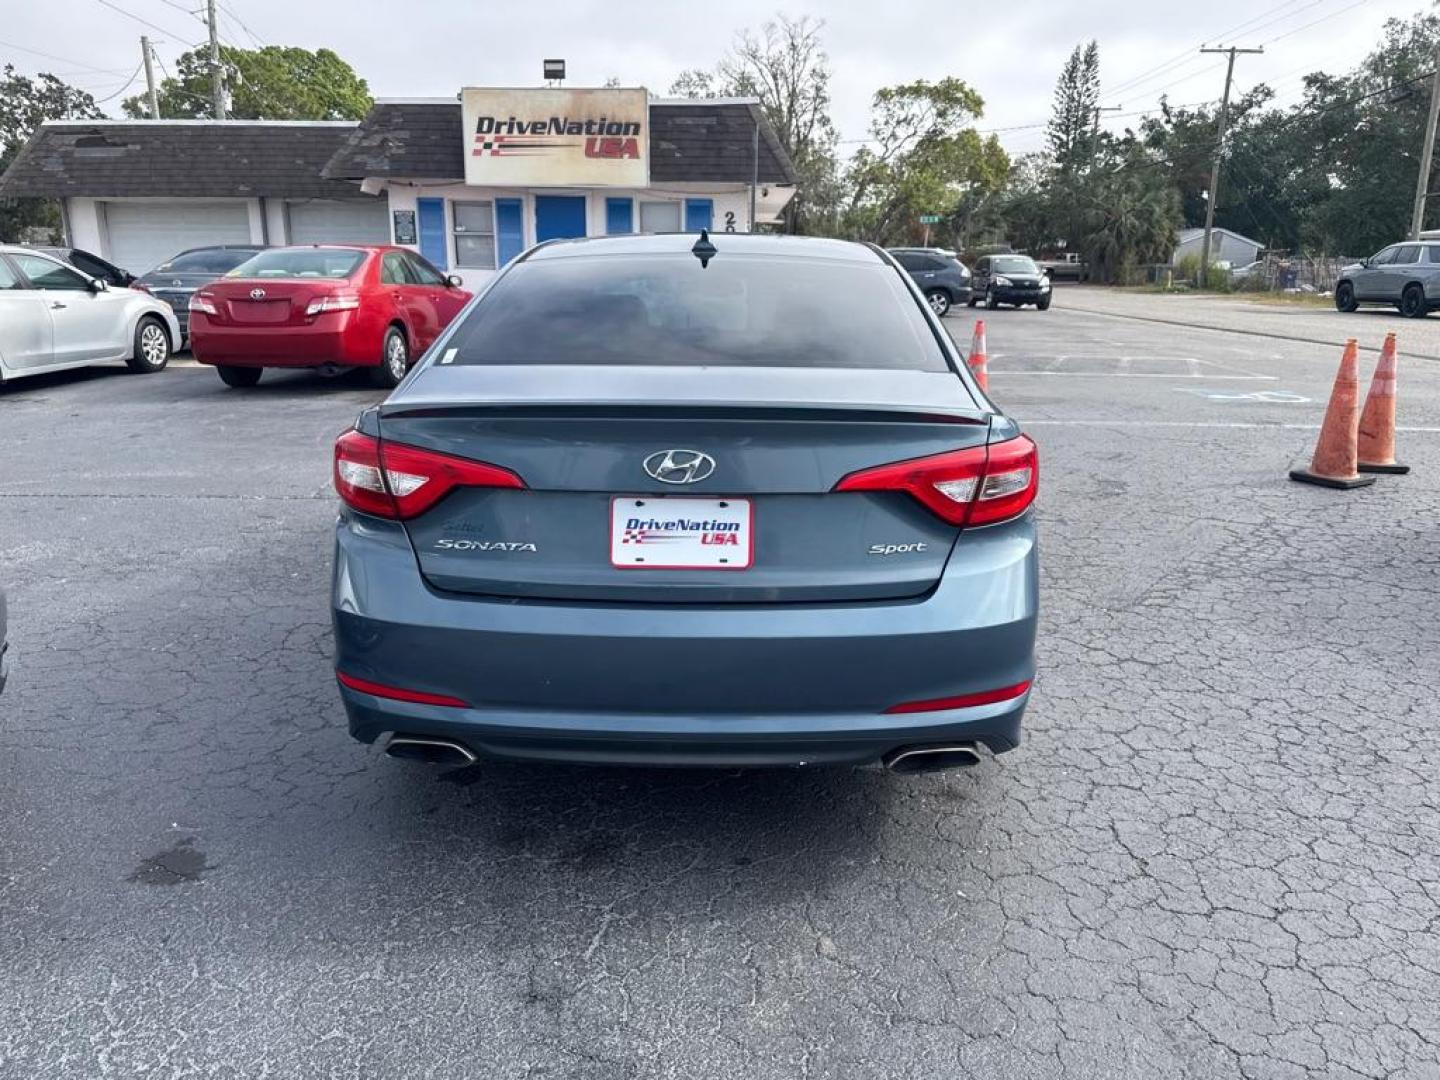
(679,466)
(257,294)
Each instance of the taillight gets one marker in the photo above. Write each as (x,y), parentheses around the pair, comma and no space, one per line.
(334,302)
(202,302)
(980,485)
(138,287)
(392,480)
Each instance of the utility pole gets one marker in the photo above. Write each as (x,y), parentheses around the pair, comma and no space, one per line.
(1219,152)
(217,73)
(754,172)
(1417,217)
(150,79)
(1095,129)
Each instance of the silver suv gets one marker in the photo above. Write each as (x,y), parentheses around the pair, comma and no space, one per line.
(1406,275)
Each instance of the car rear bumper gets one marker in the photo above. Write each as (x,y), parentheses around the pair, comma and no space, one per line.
(743,685)
(279,346)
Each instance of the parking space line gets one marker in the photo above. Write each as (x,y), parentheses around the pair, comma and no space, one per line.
(994,372)
(1202,424)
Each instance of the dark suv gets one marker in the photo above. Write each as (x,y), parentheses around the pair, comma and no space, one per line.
(1010,279)
(943,279)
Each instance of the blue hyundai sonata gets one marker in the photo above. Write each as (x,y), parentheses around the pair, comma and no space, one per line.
(654,500)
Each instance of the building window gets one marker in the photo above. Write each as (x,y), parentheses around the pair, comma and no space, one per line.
(658,217)
(475,235)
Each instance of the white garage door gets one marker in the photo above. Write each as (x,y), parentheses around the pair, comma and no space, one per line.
(347,221)
(144,235)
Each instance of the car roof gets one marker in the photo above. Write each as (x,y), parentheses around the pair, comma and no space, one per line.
(220,247)
(31,249)
(793,247)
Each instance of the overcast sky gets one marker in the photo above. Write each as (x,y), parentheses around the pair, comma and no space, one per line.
(422,48)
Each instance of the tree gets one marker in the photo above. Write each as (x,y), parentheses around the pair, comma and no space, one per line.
(785,66)
(1128,215)
(270,83)
(694,83)
(25,104)
(1070,134)
(925,157)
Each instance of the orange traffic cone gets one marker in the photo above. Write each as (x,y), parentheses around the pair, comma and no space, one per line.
(1375,446)
(979,362)
(1334,463)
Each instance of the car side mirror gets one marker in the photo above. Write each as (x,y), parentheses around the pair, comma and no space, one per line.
(453,281)
(1364,262)
(99,285)
(1049,271)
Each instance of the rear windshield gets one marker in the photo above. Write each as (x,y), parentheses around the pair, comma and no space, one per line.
(1014,264)
(206,261)
(762,311)
(301,263)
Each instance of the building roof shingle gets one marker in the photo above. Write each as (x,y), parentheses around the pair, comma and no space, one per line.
(691,141)
(185,159)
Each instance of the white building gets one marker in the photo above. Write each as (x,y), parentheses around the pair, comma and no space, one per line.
(468,186)
(1225,247)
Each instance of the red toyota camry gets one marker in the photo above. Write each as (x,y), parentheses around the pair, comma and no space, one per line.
(334,306)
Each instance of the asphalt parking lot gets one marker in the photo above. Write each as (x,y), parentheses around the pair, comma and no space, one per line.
(1217,854)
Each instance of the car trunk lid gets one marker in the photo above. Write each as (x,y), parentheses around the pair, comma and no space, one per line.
(269,301)
(763,518)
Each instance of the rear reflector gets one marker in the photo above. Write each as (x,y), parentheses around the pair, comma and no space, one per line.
(396,693)
(392,480)
(980,485)
(962,701)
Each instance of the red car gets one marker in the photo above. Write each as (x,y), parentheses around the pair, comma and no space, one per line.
(331,306)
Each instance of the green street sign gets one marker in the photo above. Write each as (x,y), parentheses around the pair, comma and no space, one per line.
(929,219)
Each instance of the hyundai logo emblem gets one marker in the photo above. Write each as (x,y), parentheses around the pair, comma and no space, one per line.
(679,466)
(257,294)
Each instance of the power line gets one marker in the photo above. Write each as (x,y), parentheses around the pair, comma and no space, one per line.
(1187,57)
(128,83)
(1316,22)
(145,22)
(241,23)
(63,60)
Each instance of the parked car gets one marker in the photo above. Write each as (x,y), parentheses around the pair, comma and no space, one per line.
(1068,266)
(4,646)
(943,278)
(53,317)
(735,505)
(327,306)
(176,281)
(1009,279)
(92,265)
(1404,275)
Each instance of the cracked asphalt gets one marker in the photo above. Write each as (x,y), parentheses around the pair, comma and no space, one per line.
(1217,854)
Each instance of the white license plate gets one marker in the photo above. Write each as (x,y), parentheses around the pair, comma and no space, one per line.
(648,533)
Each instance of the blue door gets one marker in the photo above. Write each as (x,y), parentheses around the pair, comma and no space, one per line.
(619,216)
(509,228)
(558,217)
(431,213)
(699,214)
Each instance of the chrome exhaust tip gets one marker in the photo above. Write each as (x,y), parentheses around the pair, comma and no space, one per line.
(431,751)
(922,759)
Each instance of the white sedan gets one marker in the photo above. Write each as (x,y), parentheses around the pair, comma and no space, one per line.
(53,317)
